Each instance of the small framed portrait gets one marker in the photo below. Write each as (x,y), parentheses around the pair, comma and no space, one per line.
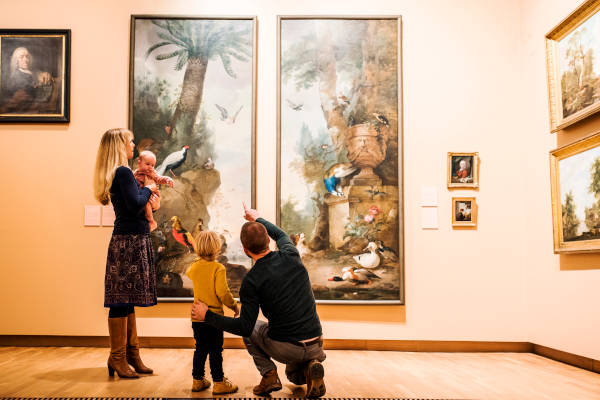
(572,57)
(464,211)
(575,179)
(34,75)
(463,170)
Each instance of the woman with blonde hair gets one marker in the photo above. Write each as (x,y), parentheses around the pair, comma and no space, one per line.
(130,278)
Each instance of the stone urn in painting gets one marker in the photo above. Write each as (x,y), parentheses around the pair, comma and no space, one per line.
(366,144)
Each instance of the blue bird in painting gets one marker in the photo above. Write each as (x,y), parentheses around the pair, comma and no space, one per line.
(333,177)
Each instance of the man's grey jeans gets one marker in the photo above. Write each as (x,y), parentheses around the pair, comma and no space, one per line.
(262,349)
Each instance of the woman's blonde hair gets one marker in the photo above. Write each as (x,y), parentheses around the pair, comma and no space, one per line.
(112,154)
(208,245)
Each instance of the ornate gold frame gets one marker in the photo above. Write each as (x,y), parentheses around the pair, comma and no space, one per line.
(473,221)
(474,169)
(560,246)
(568,25)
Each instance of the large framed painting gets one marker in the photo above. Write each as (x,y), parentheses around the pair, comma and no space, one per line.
(575,174)
(191,102)
(573,66)
(34,75)
(339,166)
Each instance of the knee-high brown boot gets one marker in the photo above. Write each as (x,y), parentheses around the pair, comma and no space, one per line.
(117,329)
(133,347)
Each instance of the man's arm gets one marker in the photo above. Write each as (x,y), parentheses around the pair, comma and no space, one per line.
(243,325)
(284,243)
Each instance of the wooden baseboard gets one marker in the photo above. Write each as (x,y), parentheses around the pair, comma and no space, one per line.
(568,358)
(441,346)
(237,343)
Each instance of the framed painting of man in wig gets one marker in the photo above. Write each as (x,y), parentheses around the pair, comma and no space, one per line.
(34,75)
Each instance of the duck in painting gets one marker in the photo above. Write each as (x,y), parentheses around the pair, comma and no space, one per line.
(333,177)
(370,259)
(386,253)
(355,275)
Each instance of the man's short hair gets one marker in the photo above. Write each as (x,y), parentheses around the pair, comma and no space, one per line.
(254,237)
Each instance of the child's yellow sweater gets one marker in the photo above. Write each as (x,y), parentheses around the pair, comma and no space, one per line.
(210,285)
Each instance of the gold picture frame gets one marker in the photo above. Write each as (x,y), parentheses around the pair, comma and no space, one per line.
(463,170)
(464,211)
(576,222)
(571,48)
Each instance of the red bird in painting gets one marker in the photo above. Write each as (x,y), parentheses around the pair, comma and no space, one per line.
(180,234)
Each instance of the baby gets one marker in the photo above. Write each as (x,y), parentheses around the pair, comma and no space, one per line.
(145,170)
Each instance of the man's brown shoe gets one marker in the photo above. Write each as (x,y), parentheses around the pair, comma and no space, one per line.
(269,383)
(315,387)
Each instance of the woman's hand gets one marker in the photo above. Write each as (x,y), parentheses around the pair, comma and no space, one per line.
(154,201)
(152,186)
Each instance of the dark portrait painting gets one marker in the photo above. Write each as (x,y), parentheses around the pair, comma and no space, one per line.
(462,169)
(34,76)
(463,210)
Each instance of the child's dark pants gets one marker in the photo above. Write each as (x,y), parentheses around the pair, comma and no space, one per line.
(209,342)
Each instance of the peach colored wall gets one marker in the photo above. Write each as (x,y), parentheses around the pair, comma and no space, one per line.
(562,291)
(464,90)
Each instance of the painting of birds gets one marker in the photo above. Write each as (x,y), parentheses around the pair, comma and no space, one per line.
(368,260)
(355,275)
(225,114)
(299,242)
(173,161)
(387,253)
(181,235)
(294,106)
(333,177)
(381,118)
(199,227)
(344,99)
(374,191)
(209,164)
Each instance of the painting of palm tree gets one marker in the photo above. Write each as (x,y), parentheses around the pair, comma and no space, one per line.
(192,85)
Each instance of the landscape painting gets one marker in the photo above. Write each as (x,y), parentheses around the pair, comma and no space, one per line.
(340,152)
(576,195)
(192,85)
(573,54)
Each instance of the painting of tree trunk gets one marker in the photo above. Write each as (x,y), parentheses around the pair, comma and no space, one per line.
(338,166)
(192,85)
(572,54)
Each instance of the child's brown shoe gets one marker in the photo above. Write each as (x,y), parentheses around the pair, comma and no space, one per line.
(225,386)
(200,384)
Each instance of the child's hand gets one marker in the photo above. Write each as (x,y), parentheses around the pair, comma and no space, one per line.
(170,182)
(236,312)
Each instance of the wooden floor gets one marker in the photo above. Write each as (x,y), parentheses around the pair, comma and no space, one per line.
(81,371)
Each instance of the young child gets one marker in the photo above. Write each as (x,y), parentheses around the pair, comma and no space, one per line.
(146,162)
(210,287)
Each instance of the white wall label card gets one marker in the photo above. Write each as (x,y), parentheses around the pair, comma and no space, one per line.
(429,218)
(91,216)
(429,196)
(108,216)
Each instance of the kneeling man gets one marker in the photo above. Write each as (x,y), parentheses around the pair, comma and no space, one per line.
(278,284)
